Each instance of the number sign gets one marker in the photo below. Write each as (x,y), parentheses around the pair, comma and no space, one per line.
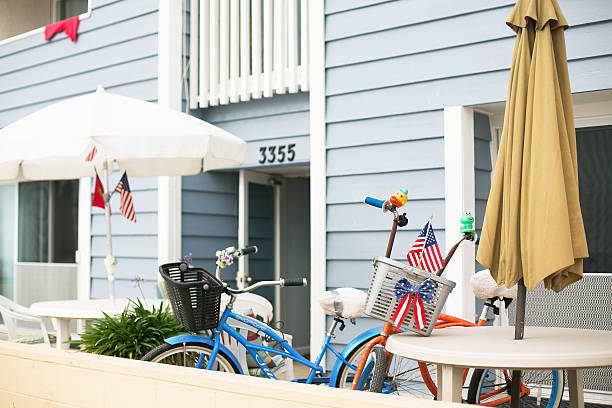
(277,154)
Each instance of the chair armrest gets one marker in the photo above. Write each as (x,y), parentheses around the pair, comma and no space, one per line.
(20,316)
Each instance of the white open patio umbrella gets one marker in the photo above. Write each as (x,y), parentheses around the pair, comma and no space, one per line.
(142,138)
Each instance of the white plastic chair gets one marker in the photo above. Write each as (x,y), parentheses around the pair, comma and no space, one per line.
(261,307)
(12,312)
(240,352)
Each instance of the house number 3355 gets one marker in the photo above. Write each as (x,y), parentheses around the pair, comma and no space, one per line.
(277,154)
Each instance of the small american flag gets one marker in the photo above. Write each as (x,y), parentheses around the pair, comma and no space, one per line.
(127,206)
(91,154)
(425,253)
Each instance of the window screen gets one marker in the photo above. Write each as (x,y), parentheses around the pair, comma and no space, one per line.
(595,177)
(69,8)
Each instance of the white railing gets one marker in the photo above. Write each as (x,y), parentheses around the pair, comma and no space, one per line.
(246,49)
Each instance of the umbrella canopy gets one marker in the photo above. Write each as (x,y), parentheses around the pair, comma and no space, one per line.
(143,138)
(533,224)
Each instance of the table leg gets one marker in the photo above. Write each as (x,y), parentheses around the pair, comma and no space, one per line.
(575,381)
(450,383)
(62,327)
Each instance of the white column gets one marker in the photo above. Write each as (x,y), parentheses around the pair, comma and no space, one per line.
(84,239)
(459,197)
(194,52)
(318,221)
(243,226)
(169,95)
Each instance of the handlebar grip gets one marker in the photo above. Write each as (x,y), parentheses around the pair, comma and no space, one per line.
(294,282)
(248,250)
(375,202)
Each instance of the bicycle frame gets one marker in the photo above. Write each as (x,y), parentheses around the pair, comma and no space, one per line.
(286,351)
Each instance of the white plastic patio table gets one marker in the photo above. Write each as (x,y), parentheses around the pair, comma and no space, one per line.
(548,348)
(63,311)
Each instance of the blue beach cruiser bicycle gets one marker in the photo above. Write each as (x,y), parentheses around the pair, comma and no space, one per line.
(195,297)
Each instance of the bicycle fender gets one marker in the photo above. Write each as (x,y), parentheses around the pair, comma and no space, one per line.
(365,336)
(192,338)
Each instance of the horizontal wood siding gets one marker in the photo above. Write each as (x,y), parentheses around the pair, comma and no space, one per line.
(209,217)
(391,69)
(275,121)
(117,48)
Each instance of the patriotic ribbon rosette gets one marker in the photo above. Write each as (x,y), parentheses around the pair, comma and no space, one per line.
(409,295)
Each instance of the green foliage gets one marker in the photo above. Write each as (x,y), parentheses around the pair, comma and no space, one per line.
(131,334)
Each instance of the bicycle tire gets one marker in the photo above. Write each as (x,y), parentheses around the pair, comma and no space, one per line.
(344,379)
(188,354)
(379,372)
(493,387)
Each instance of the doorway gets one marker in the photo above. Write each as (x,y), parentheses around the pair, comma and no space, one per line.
(274,214)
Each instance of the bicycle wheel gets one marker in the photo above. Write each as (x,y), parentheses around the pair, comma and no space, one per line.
(403,377)
(189,355)
(346,373)
(493,387)
(378,358)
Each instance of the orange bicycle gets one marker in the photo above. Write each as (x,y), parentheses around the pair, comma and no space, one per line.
(370,353)
(388,373)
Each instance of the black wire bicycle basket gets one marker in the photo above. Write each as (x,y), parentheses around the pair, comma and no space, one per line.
(195,295)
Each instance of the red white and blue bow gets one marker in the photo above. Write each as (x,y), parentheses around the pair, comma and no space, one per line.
(415,296)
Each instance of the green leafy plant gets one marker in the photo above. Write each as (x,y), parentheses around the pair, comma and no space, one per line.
(132,333)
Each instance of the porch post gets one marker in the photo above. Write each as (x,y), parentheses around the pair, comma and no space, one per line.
(84,239)
(459,197)
(169,95)
(318,259)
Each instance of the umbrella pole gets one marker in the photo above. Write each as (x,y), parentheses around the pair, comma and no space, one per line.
(109,261)
(519,331)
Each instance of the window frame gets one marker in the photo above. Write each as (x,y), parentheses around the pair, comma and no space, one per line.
(41,30)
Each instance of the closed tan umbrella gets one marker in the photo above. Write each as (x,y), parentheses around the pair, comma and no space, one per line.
(533,225)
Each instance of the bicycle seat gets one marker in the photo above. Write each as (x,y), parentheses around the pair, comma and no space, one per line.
(485,287)
(344,302)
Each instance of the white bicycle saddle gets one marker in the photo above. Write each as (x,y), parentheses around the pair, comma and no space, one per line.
(485,287)
(344,302)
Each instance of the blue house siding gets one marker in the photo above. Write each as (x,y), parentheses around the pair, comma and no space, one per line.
(279,120)
(117,48)
(209,217)
(391,69)
(134,244)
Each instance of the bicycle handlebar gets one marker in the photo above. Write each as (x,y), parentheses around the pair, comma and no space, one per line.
(245,251)
(294,282)
(281,282)
(469,236)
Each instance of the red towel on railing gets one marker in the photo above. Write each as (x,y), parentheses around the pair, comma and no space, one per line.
(69,26)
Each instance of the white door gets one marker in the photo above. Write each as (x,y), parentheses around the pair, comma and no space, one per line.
(274,214)
(258,224)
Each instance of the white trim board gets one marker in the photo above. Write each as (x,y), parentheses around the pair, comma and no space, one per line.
(318,210)
(459,192)
(169,95)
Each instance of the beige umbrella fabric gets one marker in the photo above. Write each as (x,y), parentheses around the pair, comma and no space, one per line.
(533,225)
